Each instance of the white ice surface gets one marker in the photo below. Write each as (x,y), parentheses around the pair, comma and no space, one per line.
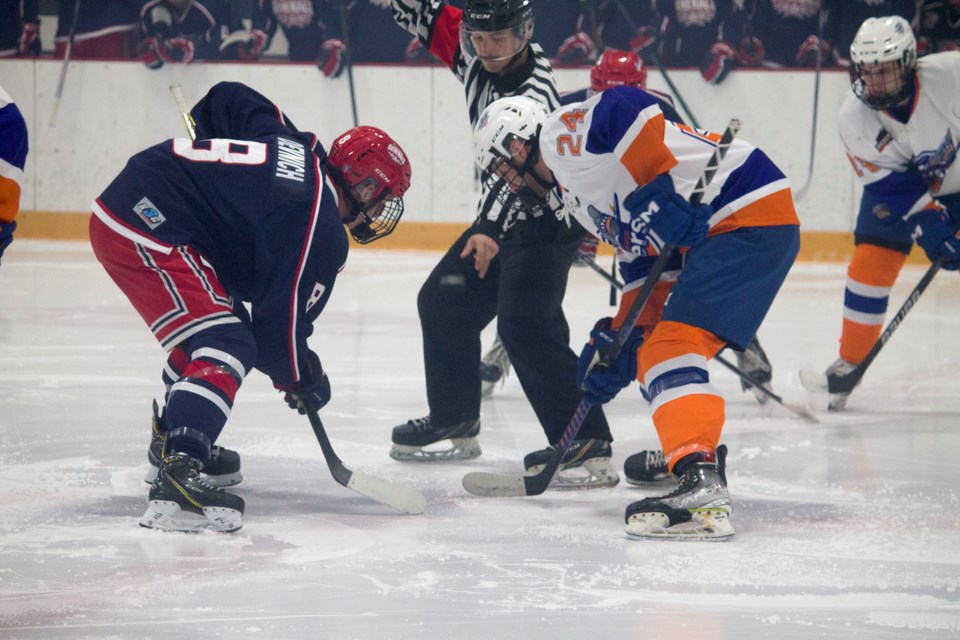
(846,529)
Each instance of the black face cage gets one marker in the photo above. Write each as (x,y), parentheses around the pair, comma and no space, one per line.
(378,220)
(521,199)
(905,68)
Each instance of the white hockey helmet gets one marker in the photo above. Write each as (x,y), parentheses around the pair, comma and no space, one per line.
(880,41)
(502,122)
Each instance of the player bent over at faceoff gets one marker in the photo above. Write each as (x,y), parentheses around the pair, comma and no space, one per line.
(626,173)
(253,211)
(899,127)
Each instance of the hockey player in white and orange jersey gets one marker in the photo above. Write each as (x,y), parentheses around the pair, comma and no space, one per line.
(626,174)
(901,128)
(13,156)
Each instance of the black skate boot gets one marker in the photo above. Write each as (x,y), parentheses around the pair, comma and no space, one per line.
(223,469)
(647,468)
(838,401)
(585,465)
(182,500)
(698,508)
(494,368)
(754,361)
(410,439)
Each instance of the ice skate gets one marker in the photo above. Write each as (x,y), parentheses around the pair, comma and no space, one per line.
(698,509)
(494,368)
(647,468)
(753,360)
(841,367)
(182,500)
(585,465)
(411,439)
(223,469)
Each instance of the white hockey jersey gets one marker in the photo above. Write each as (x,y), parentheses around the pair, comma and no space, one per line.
(908,164)
(602,149)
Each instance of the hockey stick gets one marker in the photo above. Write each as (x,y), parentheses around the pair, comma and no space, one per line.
(800,410)
(497,485)
(845,383)
(181,99)
(398,496)
(63,67)
(656,62)
(805,185)
(348,58)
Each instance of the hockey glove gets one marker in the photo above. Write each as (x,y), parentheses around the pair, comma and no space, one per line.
(175,50)
(29,43)
(6,235)
(313,386)
(602,382)
(577,49)
(808,49)
(938,237)
(662,216)
(330,60)
(253,48)
(751,51)
(719,62)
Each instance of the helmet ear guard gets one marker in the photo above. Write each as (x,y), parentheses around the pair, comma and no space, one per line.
(367,163)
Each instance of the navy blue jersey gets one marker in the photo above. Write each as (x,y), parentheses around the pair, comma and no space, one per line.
(252,195)
(664,100)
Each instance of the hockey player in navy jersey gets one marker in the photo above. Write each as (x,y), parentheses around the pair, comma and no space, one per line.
(900,127)
(252,211)
(626,173)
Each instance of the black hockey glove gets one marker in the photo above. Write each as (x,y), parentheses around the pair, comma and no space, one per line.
(313,386)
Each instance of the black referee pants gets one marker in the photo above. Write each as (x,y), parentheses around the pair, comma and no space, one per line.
(524,289)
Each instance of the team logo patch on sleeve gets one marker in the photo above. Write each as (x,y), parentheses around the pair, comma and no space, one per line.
(149,213)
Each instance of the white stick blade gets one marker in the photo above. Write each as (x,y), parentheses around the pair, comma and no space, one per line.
(398,496)
(813,381)
(494,485)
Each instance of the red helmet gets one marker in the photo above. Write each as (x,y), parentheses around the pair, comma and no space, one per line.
(617,68)
(366,158)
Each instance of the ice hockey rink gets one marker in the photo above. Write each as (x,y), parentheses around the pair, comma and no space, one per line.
(849,528)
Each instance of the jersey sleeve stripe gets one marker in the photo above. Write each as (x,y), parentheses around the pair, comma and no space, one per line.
(641,150)
(9,199)
(125,230)
(445,35)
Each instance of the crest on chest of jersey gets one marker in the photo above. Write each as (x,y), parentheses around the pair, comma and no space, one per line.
(617,68)
(373,173)
(883,62)
(496,29)
(502,123)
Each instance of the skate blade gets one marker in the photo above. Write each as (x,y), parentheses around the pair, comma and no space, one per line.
(168,516)
(593,474)
(459,449)
(706,523)
(224,480)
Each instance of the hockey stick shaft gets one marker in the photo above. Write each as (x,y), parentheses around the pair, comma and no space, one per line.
(181,99)
(348,58)
(805,185)
(656,62)
(846,383)
(66,64)
(493,485)
(397,496)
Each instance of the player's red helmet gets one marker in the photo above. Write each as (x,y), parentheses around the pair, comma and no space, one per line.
(371,162)
(617,68)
